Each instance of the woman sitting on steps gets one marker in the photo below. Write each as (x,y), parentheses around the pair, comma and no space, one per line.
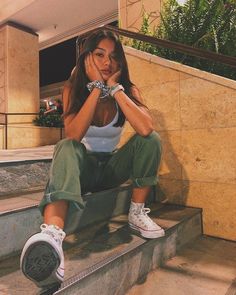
(97,100)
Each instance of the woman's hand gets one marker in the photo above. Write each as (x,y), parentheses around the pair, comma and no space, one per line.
(114,79)
(91,69)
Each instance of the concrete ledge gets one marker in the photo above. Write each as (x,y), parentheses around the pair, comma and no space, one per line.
(23,176)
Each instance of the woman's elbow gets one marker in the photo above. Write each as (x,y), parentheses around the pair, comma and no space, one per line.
(146,130)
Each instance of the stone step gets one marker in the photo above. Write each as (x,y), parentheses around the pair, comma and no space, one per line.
(107,257)
(19,176)
(20,217)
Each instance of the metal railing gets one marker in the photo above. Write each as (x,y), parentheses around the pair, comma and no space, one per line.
(6,124)
(186,49)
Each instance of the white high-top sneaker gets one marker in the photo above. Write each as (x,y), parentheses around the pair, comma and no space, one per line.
(42,258)
(141,222)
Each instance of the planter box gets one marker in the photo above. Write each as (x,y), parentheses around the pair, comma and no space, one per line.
(28,135)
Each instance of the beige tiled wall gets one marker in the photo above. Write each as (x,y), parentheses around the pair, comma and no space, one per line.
(195,115)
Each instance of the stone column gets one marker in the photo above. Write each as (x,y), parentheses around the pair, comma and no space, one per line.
(19,75)
(131,13)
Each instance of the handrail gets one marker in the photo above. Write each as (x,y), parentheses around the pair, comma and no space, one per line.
(201,53)
(19,113)
(15,114)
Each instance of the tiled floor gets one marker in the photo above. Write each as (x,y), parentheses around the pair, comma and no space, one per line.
(43,152)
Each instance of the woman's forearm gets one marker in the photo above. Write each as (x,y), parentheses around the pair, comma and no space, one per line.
(77,125)
(138,116)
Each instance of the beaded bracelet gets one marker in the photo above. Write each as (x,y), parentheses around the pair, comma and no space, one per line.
(105,90)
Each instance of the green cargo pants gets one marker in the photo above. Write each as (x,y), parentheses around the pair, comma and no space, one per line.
(75,171)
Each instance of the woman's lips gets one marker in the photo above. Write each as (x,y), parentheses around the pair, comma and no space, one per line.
(106,72)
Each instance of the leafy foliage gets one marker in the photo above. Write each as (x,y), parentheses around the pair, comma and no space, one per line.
(205,24)
(48,120)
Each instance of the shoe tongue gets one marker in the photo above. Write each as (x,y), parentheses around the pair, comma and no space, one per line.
(138,207)
(55,231)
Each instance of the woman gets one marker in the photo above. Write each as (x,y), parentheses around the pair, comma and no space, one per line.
(97,100)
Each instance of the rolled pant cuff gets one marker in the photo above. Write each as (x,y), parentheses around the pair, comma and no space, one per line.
(145,181)
(59,195)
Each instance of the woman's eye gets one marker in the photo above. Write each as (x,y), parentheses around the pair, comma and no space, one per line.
(99,54)
(114,56)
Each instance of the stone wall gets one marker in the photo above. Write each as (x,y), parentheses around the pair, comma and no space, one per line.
(25,136)
(19,79)
(19,73)
(131,13)
(195,114)
(2,74)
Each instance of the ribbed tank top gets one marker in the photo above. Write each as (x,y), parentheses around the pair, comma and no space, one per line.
(103,139)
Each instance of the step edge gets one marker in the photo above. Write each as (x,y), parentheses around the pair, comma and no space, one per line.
(86,196)
(99,265)
(75,279)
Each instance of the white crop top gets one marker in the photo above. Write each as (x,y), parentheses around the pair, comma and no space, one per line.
(103,139)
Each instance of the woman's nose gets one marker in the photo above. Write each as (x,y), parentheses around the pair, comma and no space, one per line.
(107,60)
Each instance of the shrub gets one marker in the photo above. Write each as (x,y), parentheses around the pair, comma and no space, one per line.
(48,120)
(205,24)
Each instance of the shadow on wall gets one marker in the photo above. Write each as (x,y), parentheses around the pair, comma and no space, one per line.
(171,187)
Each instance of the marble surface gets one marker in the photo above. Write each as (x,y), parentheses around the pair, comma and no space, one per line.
(194,113)
(17,155)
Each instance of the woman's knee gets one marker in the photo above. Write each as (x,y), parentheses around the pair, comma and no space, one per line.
(151,142)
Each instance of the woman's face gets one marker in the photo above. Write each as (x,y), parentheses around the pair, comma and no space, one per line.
(105,59)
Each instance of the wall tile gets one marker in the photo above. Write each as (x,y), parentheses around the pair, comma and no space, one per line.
(23,75)
(36,136)
(134,10)
(219,206)
(209,155)
(145,73)
(171,190)
(171,166)
(2,72)
(163,103)
(2,100)
(206,104)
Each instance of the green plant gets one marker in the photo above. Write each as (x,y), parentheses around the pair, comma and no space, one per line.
(206,24)
(48,120)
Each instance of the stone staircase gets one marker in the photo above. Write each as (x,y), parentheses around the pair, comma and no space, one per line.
(103,256)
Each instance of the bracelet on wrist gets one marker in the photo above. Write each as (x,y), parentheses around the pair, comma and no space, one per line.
(100,85)
(115,89)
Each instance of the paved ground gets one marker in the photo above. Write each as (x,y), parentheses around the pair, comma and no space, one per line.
(42,152)
(206,267)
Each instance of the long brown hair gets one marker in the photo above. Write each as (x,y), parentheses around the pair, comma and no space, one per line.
(79,79)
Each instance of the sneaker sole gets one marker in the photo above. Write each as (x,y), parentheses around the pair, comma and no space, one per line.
(148,234)
(40,261)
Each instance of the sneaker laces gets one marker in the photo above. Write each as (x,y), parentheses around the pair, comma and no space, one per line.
(145,211)
(142,211)
(143,216)
(54,231)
